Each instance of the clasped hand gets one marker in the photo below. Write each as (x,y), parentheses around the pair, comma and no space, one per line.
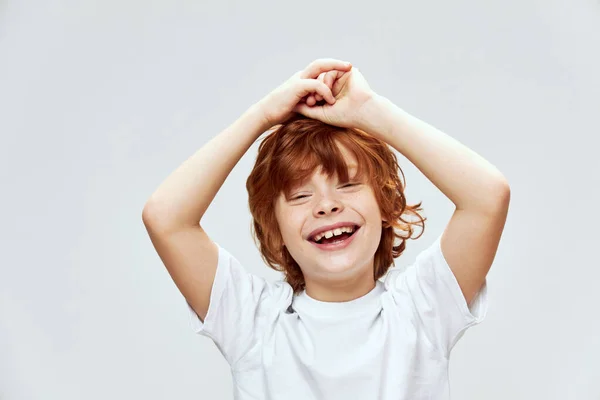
(341,87)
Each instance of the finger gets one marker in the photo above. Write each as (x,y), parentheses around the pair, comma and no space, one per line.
(324,80)
(309,86)
(307,111)
(340,80)
(313,98)
(321,78)
(330,77)
(315,68)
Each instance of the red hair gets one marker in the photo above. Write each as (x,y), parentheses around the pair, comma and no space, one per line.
(291,153)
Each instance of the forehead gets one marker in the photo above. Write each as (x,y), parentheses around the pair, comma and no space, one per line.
(297,164)
(348,157)
(347,154)
(352,169)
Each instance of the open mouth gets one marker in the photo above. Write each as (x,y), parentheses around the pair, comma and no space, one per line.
(334,239)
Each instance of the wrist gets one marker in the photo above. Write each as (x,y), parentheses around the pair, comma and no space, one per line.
(376,116)
(258,116)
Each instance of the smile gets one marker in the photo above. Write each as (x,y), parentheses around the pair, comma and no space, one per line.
(336,242)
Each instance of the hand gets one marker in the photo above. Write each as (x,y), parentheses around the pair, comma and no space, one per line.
(327,78)
(278,106)
(352,93)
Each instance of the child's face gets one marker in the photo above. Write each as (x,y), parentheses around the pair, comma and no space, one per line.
(321,202)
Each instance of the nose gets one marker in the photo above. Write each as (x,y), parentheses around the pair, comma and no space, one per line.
(327,206)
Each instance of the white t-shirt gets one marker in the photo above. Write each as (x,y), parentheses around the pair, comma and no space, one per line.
(393,343)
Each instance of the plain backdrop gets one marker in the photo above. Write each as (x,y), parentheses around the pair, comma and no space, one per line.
(101,101)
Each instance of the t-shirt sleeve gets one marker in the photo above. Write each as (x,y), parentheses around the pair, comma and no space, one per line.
(238,301)
(437,299)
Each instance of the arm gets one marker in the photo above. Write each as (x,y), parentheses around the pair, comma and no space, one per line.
(479,191)
(183,198)
(172,214)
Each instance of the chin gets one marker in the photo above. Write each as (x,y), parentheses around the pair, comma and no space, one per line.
(342,263)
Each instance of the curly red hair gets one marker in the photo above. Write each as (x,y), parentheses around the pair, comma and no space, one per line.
(290,154)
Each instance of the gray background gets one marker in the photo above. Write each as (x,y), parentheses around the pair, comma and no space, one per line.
(100,101)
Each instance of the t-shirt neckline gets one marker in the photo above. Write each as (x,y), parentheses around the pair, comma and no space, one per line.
(304,303)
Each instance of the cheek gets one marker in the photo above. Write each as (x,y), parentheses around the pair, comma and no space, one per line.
(294,224)
(290,226)
(368,206)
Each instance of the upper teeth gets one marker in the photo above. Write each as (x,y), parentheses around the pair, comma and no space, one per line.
(333,232)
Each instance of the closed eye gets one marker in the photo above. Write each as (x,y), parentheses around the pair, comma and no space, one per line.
(306,195)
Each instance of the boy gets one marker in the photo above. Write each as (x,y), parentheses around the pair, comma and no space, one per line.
(328,211)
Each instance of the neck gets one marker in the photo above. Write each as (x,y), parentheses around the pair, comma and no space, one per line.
(335,291)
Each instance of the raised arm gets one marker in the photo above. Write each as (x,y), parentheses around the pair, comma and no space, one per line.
(183,198)
(479,191)
(172,215)
(477,188)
